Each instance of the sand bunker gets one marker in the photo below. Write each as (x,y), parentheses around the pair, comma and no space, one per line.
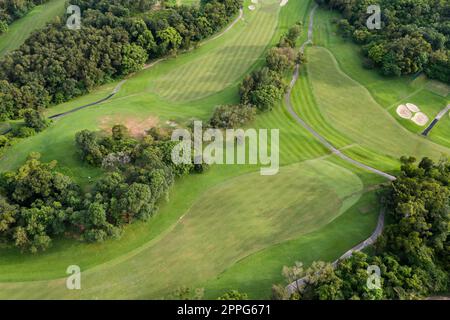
(412,107)
(404,112)
(251,7)
(283,3)
(136,126)
(420,119)
(412,112)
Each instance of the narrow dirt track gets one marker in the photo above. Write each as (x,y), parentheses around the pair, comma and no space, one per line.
(294,286)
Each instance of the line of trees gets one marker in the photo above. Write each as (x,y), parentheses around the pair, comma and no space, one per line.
(57,64)
(414,36)
(38,204)
(11,10)
(413,253)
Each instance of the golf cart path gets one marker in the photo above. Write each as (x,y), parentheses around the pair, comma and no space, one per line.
(436,120)
(147,66)
(296,285)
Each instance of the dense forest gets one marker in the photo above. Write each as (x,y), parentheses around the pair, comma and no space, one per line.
(57,64)
(11,10)
(414,35)
(412,253)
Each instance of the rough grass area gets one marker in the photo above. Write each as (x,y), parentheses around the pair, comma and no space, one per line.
(218,65)
(21,29)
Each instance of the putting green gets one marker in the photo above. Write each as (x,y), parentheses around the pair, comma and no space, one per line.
(256,273)
(212,235)
(21,29)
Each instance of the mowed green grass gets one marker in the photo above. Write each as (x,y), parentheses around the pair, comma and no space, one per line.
(349,108)
(389,92)
(188,2)
(255,212)
(21,29)
(256,273)
(221,64)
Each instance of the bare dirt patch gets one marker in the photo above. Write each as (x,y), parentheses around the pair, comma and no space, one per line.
(136,126)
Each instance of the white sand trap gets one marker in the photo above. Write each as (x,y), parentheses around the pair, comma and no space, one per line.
(420,119)
(412,107)
(404,112)
(251,7)
(255,1)
(283,3)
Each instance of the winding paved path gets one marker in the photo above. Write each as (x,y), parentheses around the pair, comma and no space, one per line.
(294,286)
